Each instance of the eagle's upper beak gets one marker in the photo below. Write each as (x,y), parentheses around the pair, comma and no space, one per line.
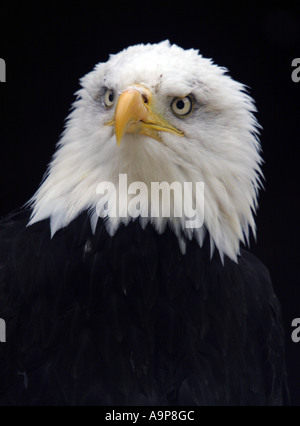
(135,114)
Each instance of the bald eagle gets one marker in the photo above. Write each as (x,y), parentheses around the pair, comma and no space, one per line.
(107,300)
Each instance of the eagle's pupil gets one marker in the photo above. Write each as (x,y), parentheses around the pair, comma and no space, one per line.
(180,104)
(111,97)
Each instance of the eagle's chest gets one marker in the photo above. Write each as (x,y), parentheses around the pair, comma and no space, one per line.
(128,319)
(149,319)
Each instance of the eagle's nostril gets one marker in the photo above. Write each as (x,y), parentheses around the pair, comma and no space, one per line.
(145,98)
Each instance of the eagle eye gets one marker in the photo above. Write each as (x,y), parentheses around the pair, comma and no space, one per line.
(182,106)
(109,98)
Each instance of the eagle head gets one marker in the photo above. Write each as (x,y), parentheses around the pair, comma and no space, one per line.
(158,113)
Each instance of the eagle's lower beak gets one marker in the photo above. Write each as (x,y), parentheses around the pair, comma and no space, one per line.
(134,114)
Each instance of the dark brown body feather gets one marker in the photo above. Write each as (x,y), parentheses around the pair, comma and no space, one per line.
(129,320)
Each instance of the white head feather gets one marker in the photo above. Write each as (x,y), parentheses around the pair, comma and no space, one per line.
(220,145)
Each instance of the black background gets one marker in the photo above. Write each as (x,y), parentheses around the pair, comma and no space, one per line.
(47,50)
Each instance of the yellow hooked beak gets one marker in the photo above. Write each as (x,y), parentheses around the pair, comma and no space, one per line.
(134,114)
